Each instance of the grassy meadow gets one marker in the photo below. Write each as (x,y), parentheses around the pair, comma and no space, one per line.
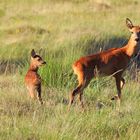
(61,31)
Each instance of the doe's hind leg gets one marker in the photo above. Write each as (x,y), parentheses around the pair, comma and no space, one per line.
(83,83)
(87,81)
(81,78)
(80,99)
(73,94)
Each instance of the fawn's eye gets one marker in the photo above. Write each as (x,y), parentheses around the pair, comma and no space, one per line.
(38,59)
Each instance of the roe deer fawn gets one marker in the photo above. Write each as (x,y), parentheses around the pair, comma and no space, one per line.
(111,62)
(32,78)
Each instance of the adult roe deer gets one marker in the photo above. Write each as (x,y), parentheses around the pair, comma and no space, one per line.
(111,62)
(32,78)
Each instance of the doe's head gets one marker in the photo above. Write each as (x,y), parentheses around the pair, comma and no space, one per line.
(36,59)
(135,30)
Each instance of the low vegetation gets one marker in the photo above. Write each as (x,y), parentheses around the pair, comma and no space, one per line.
(62,31)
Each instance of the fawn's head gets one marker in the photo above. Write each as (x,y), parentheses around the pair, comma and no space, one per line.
(135,30)
(36,60)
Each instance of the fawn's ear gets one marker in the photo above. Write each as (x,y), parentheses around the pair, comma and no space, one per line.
(33,53)
(129,23)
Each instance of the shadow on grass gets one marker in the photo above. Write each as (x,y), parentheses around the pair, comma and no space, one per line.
(90,46)
(11,66)
(94,46)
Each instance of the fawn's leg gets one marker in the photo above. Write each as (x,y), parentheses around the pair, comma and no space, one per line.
(39,94)
(31,92)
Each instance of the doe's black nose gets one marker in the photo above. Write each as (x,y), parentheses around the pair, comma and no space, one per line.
(137,39)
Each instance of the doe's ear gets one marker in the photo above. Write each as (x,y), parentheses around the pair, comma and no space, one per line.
(129,23)
(33,53)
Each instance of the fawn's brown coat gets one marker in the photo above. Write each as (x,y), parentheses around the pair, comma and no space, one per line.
(32,78)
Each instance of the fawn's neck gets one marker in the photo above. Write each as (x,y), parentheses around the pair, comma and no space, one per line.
(33,68)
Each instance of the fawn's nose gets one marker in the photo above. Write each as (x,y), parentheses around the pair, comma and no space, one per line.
(44,63)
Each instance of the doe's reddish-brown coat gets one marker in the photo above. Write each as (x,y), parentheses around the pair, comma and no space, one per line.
(111,62)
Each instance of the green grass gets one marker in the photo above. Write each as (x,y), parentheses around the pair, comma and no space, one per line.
(61,31)
(22,118)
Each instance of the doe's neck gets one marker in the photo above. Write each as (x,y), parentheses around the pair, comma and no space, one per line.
(130,47)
